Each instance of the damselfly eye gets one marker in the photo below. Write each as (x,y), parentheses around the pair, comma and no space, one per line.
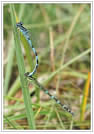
(20,23)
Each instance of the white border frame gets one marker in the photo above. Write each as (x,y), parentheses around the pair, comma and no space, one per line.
(1,48)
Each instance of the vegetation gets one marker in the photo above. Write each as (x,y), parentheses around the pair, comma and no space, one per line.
(60,34)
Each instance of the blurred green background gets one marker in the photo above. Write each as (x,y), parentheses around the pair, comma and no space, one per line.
(60,34)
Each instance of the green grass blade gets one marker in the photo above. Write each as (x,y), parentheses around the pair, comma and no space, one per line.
(15,87)
(9,67)
(10,123)
(21,68)
(27,50)
(67,64)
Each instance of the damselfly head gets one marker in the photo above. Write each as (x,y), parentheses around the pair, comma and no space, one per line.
(26,74)
(19,24)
